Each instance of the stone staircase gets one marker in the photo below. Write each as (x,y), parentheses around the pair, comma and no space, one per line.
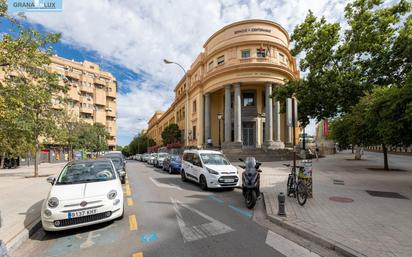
(261,155)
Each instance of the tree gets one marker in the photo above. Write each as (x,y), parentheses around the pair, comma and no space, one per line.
(383,117)
(140,144)
(92,137)
(27,89)
(374,51)
(171,134)
(119,148)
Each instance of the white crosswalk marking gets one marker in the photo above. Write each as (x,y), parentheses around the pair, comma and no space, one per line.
(287,247)
(192,233)
(164,185)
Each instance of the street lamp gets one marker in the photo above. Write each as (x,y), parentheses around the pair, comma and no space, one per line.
(187,101)
(219,117)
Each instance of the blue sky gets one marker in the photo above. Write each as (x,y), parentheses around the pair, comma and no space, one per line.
(131,38)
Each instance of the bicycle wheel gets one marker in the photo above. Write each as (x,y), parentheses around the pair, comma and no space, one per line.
(302,193)
(289,188)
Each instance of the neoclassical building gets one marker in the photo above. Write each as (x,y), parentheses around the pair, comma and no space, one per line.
(226,92)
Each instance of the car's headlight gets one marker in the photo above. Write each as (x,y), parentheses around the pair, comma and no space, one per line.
(53,202)
(212,171)
(112,194)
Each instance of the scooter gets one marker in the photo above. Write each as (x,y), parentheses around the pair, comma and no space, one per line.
(250,181)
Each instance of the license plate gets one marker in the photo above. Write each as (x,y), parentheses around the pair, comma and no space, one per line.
(229,180)
(77,214)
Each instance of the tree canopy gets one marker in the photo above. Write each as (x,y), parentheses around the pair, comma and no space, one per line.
(171,134)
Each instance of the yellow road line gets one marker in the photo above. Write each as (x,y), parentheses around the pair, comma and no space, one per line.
(140,254)
(133,222)
(129,201)
(128,192)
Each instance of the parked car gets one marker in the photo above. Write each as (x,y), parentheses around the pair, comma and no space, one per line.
(119,164)
(152,158)
(160,159)
(84,193)
(145,157)
(209,168)
(172,164)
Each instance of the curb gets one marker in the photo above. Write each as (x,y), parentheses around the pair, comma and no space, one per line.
(311,235)
(20,237)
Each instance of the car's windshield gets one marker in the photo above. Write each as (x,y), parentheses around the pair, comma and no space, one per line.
(117,161)
(214,159)
(175,158)
(86,172)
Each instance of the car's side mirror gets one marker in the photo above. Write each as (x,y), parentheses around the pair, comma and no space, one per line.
(240,159)
(51,179)
(242,166)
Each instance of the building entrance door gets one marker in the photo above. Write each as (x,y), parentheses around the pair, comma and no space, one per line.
(249,134)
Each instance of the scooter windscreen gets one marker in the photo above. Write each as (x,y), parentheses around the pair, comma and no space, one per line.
(250,163)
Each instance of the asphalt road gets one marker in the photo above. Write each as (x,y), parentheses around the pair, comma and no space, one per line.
(167,217)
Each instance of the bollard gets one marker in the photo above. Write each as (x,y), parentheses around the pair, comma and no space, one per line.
(281,204)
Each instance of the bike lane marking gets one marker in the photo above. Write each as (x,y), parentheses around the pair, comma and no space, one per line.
(139,254)
(129,201)
(148,238)
(245,213)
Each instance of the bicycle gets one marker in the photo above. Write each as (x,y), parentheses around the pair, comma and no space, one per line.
(297,185)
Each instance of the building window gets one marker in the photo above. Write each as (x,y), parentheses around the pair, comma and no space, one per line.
(194,106)
(221,60)
(282,57)
(210,65)
(261,53)
(194,132)
(245,53)
(248,99)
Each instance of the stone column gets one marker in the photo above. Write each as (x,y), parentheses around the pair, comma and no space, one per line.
(228,120)
(288,130)
(207,117)
(276,119)
(268,115)
(238,114)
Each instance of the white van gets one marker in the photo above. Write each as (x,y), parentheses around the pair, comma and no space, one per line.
(209,168)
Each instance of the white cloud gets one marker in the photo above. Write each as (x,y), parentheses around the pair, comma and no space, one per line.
(139,34)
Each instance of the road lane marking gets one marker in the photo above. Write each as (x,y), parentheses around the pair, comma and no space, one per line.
(214,198)
(129,201)
(245,213)
(148,238)
(139,254)
(128,192)
(164,185)
(133,222)
(287,247)
(192,233)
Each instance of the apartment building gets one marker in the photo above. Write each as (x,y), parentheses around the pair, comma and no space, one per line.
(92,93)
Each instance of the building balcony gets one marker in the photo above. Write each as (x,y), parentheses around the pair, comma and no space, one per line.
(86,110)
(71,74)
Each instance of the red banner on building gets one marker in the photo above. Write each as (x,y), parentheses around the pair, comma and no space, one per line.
(325,128)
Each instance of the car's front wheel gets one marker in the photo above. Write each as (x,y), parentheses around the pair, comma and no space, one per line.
(203,183)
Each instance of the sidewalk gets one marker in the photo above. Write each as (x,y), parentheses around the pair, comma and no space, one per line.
(21,200)
(368,226)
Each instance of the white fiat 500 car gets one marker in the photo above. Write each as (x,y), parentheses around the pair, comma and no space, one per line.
(209,168)
(84,193)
